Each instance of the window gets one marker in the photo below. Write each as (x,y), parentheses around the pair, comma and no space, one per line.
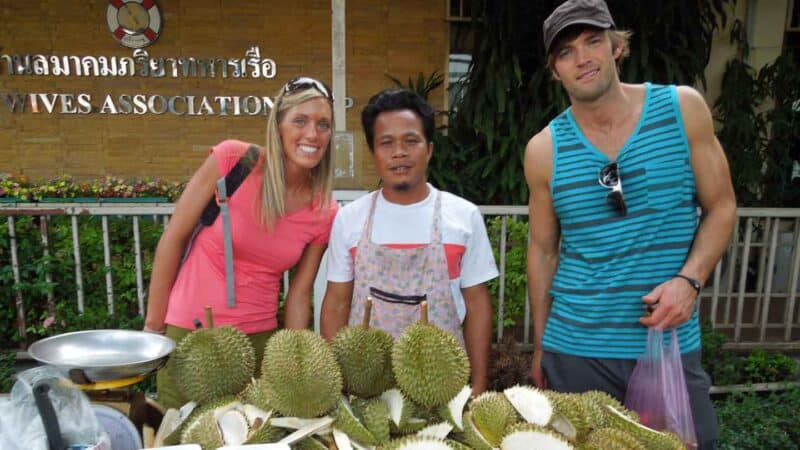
(791,40)
(459,15)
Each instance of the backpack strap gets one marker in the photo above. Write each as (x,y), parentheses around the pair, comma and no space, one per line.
(233,180)
(227,239)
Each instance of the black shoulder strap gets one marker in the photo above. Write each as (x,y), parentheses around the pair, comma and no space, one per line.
(233,180)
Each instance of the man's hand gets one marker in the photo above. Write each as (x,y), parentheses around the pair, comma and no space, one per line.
(671,302)
(537,375)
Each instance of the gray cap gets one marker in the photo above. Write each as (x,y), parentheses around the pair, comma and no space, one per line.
(572,12)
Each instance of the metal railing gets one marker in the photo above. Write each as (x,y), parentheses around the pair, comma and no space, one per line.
(751,296)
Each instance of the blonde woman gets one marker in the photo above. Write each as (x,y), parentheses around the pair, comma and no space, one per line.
(280,218)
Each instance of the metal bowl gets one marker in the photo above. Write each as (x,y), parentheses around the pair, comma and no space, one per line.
(103,355)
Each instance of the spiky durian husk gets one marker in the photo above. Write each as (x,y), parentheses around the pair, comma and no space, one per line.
(604,399)
(365,357)
(524,436)
(607,438)
(301,377)
(203,431)
(376,418)
(650,438)
(266,434)
(254,394)
(416,443)
(575,411)
(453,411)
(211,363)
(455,445)
(429,364)
(473,436)
(310,443)
(492,414)
(349,423)
(174,438)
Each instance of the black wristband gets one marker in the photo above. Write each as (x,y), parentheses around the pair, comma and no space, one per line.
(694,283)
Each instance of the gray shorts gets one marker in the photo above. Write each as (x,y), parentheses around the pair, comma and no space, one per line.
(567,373)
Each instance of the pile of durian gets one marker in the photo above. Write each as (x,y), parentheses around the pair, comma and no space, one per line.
(366,391)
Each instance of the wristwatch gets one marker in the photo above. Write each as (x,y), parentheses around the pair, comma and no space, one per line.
(695,284)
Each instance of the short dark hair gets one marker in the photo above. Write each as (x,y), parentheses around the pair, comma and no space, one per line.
(396,100)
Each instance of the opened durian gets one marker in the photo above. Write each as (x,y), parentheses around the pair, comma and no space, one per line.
(526,436)
(211,363)
(429,364)
(453,411)
(606,438)
(227,423)
(299,374)
(350,424)
(491,415)
(536,407)
(365,357)
(650,438)
(416,443)
(376,418)
(602,399)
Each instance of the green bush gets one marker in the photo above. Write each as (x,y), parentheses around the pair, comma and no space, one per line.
(45,319)
(516,276)
(726,367)
(7,360)
(751,420)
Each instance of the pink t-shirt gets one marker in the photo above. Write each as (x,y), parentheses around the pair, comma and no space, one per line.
(260,256)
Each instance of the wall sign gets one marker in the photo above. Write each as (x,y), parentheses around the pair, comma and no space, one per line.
(134,23)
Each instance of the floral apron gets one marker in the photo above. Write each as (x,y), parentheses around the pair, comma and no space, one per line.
(398,280)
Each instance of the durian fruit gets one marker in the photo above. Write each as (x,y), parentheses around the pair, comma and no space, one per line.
(576,411)
(453,411)
(203,431)
(173,423)
(491,415)
(212,362)
(261,429)
(455,445)
(365,357)
(429,364)
(310,443)
(416,443)
(535,407)
(254,394)
(650,438)
(403,413)
(191,411)
(438,430)
(348,422)
(526,436)
(472,435)
(229,422)
(375,416)
(603,399)
(607,438)
(232,425)
(300,376)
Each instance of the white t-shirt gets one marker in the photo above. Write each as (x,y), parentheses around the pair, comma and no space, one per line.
(469,254)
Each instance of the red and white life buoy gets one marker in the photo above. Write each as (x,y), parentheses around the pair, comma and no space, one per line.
(134,23)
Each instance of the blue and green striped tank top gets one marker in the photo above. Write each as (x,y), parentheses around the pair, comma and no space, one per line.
(608,261)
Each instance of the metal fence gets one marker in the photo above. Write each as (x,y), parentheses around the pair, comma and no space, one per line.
(751,295)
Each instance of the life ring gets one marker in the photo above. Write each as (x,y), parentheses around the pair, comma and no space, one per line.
(134,23)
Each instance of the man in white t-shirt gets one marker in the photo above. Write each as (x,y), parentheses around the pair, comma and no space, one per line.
(409,242)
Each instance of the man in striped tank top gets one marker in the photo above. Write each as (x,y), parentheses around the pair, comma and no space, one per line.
(615,183)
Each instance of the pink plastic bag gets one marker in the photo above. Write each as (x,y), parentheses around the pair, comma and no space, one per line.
(657,389)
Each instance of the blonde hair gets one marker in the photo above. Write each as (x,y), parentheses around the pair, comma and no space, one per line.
(273,187)
(619,39)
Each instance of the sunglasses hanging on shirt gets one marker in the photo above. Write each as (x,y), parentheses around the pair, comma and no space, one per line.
(609,177)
